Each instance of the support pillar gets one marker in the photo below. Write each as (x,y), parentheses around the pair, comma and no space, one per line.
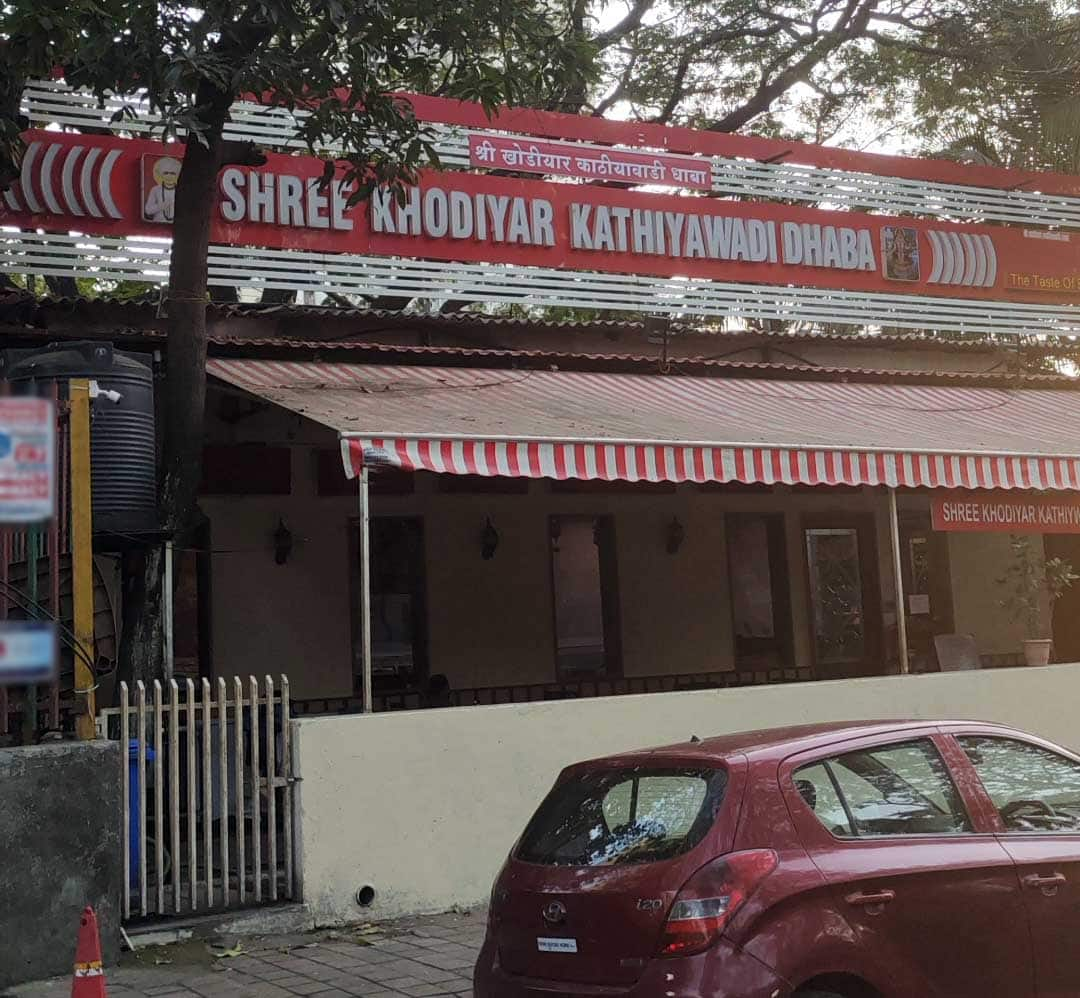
(82,558)
(898,580)
(365,591)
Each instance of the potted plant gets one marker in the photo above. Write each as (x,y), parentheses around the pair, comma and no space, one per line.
(1026,582)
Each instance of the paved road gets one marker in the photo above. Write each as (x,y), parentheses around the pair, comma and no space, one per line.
(416,958)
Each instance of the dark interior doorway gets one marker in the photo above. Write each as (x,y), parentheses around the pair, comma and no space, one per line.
(584,580)
(399,631)
(760,597)
(192,606)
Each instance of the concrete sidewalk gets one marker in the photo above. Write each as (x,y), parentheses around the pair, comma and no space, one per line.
(416,958)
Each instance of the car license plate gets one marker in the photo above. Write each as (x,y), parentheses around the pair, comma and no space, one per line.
(551,945)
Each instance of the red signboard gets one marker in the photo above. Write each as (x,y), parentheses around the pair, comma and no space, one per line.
(1007,512)
(568,159)
(103,185)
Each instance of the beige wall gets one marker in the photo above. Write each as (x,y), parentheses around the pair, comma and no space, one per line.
(491,621)
(292,618)
(424,805)
(977,561)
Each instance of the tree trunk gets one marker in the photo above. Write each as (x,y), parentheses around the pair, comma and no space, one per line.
(142,626)
(184,386)
(62,287)
(185,381)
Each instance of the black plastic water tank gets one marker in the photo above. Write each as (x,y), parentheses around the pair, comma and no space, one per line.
(123,452)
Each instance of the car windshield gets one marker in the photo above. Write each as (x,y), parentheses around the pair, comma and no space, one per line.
(603,817)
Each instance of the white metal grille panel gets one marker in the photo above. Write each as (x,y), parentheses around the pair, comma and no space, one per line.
(148,260)
(49,102)
(205,753)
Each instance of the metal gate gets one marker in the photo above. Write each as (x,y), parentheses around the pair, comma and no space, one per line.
(207,795)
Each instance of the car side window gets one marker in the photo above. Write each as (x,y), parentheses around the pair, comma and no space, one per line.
(1033,789)
(900,789)
(817,789)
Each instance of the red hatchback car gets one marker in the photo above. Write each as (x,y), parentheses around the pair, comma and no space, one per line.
(875,860)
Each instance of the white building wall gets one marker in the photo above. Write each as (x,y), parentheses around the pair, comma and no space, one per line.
(425,805)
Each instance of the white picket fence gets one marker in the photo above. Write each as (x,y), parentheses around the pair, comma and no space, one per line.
(207,795)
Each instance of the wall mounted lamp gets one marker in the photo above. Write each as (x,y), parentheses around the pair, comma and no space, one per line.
(283,543)
(675,535)
(489,540)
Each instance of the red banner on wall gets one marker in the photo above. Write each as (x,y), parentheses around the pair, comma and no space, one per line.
(104,185)
(1006,512)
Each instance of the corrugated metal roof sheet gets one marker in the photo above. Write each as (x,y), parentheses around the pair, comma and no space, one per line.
(469,318)
(395,401)
(533,359)
(146,312)
(459,356)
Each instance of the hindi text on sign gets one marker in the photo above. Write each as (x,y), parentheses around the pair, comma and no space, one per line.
(568,159)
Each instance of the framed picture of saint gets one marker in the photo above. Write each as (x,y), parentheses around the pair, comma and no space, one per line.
(159,178)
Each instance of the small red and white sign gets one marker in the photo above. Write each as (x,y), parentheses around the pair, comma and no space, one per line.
(1006,512)
(568,159)
(27,460)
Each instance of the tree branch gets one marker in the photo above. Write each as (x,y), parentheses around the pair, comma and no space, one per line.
(853,25)
(628,24)
(910,46)
(678,88)
(603,106)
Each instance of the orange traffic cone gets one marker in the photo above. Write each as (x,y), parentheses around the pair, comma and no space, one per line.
(88,980)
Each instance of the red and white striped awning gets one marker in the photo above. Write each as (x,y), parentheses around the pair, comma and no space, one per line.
(652,428)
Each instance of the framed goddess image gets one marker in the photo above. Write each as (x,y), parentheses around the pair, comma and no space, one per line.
(159,177)
(900,253)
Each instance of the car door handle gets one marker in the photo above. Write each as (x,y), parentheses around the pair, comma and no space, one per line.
(1041,881)
(870,897)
